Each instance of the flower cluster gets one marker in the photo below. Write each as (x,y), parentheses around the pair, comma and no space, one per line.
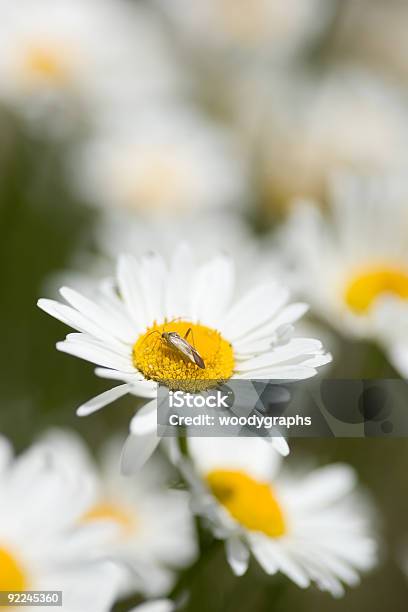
(70,525)
(238,168)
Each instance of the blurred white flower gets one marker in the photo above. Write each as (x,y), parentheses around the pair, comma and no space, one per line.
(154,535)
(268,27)
(347,119)
(241,337)
(161,162)
(211,231)
(310,526)
(42,547)
(353,266)
(71,55)
(121,231)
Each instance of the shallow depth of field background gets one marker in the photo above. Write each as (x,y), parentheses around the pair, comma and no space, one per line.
(44,223)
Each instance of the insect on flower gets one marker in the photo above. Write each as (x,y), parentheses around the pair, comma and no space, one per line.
(179,344)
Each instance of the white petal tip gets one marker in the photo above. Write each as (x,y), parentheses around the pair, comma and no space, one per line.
(238,570)
(281,446)
(43,303)
(63,290)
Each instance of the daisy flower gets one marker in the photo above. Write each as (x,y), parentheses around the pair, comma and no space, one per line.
(310,527)
(150,543)
(53,55)
(264,26)
(41,545)
(358,260)
(348,119)
(120,231)
(237,337)
(161,162)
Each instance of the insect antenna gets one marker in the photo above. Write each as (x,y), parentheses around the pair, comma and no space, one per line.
(154,331)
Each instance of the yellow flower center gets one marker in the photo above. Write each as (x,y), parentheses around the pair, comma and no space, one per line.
(159,360)
(12,575)
(45,63)
(250,502)
(362,291)
(108,511)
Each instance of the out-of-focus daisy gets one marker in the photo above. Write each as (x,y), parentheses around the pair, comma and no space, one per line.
(161,163)
(150,541)
(308,526)
(236,337)
(121,231)
(41,545)
(56,55)
(268,27)
(348,119)
(357,258)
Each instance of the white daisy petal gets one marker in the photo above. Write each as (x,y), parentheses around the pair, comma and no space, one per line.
(237,555)
(65,314)
(137,450)
(294,348)
(97,355)
(283,372)
(261,551)
(292,313)
(212,290)
(341,569)
(152,277)
(327,485)
(105,398)
(117,375)
(160,605)
(181,275)
(233,453)
(74,319)
(145,419)
(280,325)
(254,309)
(127,275)
(144,388)
(84,339)
(95,312)
(286,564)
(137,384)
(280,445)
(318,360)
